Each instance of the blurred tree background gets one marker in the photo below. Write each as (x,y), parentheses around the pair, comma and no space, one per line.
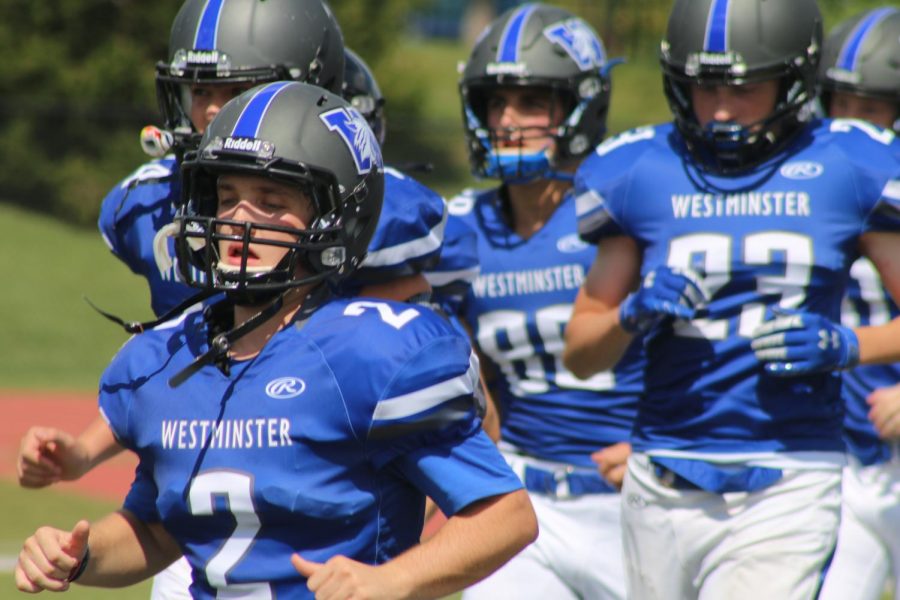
(77,83)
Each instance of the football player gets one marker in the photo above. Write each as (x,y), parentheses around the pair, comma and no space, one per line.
(859,78)
(726,239)
(216,50)
(535,93)
(281,456)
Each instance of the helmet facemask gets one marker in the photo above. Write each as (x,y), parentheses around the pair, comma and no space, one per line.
(504,153)
(728,147)
(312,255)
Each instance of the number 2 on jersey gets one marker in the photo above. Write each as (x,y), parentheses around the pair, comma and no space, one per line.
(237,489)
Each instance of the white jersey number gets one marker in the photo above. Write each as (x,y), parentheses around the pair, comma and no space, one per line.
(712,254)
(387,314)
(871,291)
(882,136)
(237,489)
(518,355)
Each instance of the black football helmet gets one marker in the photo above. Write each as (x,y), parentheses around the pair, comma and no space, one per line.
(361,90)
(734,42)
(546,47)
(862,56)
(294,133)
(246,41)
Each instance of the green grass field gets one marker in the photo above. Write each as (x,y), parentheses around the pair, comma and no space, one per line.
(25,510)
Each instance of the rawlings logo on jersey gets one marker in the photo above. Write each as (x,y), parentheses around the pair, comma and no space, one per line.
(577,39)
(355,132)
(570,244)
(802,170)
(285,387)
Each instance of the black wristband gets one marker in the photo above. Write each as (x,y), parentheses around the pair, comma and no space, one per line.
(78,569)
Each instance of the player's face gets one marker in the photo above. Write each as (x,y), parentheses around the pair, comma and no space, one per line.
(845,105)
(260,200)
(524,114)
(206,100)
(742,104)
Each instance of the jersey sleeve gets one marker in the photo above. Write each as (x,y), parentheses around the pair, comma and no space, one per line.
(142,495)
(108,224)
(426,426)
(601,184)
(118,387)
(457,268)
(116,211)
(874,155)
(409,234)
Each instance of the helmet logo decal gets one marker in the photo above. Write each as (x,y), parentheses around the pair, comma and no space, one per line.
(247,125)
(716,39)
(851,50)
(577,39)
(208,27)
(356,133)
(508,49)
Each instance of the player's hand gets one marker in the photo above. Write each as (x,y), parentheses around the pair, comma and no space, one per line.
(665,292)
(341,578)
(48,455)
(801,343)
(885,412)
(50,556)
(612,462)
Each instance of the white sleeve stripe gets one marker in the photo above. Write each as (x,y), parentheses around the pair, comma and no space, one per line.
(441,278)
(892,190)
(400,253)
(587,202)
(419,401)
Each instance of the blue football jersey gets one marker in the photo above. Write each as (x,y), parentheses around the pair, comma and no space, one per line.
(780,236)
(866,303)
(131,216)
(409,233)
(319,445)
(452,277)
(518,308)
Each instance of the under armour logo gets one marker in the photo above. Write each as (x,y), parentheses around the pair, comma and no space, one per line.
(285,387)
(355,132)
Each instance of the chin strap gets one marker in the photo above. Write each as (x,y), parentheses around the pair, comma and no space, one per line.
(222,342)
(140,327)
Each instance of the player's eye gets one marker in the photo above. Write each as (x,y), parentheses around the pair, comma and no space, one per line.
(496,103)
(227,202)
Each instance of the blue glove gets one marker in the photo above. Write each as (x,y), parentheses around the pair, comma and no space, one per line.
(803,343)
(665,292)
